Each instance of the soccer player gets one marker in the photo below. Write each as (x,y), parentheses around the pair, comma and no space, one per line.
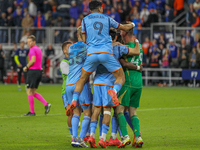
(34,75)
(129,95)
(77,56)
(21,60)
(104,81)
(13,64)
(64,69)
(95,30)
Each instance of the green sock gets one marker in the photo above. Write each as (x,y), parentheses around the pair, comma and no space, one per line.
(122,123)
(136,126)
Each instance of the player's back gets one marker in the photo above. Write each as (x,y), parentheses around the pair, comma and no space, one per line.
(77,56)
(96,26)
(103,76)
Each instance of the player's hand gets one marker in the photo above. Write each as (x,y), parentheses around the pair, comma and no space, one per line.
(141,68)
(19,65)
(25,69)
(129,22)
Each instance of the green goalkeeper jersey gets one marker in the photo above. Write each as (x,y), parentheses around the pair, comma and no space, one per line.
(133,77)
(64,69)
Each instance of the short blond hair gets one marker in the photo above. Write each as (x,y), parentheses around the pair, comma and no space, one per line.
(32,37)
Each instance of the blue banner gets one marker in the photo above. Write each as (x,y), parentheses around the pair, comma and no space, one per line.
(191,74)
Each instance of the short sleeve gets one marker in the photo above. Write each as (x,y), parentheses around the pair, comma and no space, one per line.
(32,53)
(83,30)
(113,23)
(64,67)
(123,50)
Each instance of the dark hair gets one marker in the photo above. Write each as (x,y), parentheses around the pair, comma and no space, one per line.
(94,4)
(65,44)
(113,33)
(119,38)
(32,37)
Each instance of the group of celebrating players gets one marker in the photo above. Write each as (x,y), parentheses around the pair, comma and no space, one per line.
(99,49)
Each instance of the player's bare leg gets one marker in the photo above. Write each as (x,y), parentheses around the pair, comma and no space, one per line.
(137,141)
(122,124)
(78,89)
(120,79)
(93,125)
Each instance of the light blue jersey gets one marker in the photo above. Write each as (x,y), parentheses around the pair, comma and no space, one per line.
(105,78)
(77,56)
(96,26)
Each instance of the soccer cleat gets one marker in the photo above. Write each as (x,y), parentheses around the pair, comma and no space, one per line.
(107,144)
(86,139)
(126,141)
(47,108)
(139,142)
(115,142)
(114,97)
(81,143)
(92,143)
(102,143)
(71,107)
(29,114)
(74,142)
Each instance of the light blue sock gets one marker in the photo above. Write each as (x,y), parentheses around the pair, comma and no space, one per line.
(105,129)
(100,124)
(76,95)
(93,126)
(70,130)
(128,119)
(85,126)
(75,122)
(117,87)
(120,133)
(114,124)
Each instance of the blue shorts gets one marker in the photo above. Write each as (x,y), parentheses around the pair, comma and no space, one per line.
(107,60)
(64,97)
(101,97)
(84,98)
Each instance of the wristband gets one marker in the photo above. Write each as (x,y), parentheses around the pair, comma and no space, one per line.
(136,40)
(133,24)
(138,67)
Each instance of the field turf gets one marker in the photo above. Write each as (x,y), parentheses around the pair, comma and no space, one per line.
(169,119)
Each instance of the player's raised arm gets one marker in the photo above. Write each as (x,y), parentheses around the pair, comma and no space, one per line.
(126,27)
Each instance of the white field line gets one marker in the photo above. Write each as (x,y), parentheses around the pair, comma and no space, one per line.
(152,109)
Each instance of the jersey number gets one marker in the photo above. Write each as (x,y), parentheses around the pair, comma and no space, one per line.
(98,26)
(78,59)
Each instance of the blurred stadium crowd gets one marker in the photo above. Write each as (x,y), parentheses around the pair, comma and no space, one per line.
(159,53)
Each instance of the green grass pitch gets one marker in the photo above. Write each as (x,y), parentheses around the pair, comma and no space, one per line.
(169,119)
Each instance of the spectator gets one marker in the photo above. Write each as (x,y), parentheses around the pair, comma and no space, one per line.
(2,57)
(24,39)
(115,15)
(178,7)
(169,13)
(3,32)
(16,10)
(74,10)
(162,50)
(25,12)
(185,46)
(39,22)
(107,7)
(196,20)
(58,33)
(196,5)
(85,7)
(72,24)
(32,8)
(48,52)
(17,23)
(79,20)
(27,22)
(160,4)
(148,4)
(145,46)
(9,11)
(144,14)
(134,11)
(49,20)
(189,38)
(12,62)
(194,59)
(153,17)
(121,12)
(166,58)
(161,40)
(183,59)
(174,53)
(47,6)
(138,26)
(189,16)
(197,39)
